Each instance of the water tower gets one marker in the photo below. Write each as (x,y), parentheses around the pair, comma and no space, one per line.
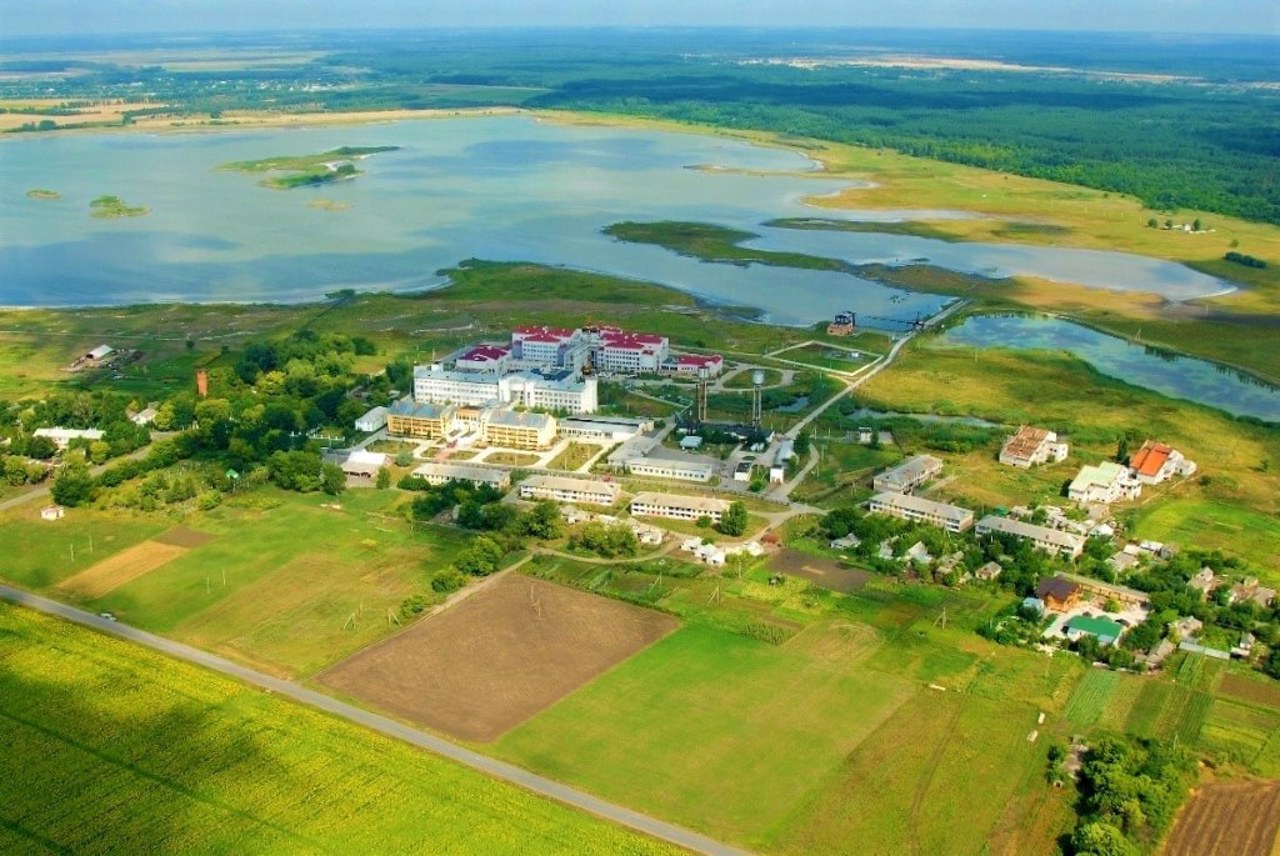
(757,394)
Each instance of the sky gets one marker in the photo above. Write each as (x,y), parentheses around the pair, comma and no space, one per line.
(35,17)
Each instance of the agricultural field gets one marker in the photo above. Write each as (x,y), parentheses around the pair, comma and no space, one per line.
(507,651)
(1228,818)
(777,728)
(40,554)
(113,749)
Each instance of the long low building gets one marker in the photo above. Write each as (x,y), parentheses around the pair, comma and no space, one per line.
(672,465)
(563,489)
(520,429)
(440,473)
(1050,540)
(62,437)
(952,518)
(596,428)
(678,507)
(908,475)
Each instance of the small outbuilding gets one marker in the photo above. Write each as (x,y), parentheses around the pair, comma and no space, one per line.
(52,512)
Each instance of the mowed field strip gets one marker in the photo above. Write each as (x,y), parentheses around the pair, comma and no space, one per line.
(1228,819)
(498,657)
(122,568)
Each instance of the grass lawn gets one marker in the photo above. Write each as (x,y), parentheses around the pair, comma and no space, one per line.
(38,554)
(110,748)
(711,729)
(574,456)
(1215,525)
(296,573)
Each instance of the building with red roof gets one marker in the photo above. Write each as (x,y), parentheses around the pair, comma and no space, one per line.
(1157,462)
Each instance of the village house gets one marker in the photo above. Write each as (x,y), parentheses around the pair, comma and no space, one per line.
(363,464)
(1250,590)
(1106,631)
(1058,593)
(374,419)
(1156,462)
(1108,591)
(1204,581)
(1105,483)
(1031,446)
(988,572)
(52,512)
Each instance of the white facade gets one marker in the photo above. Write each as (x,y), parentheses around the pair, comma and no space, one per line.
(434,384)
(61,437)
(952,518)
(908,475)
(561,489)
(678,507)
(1049,540)
(671,468)
(437,473)
(373,420)
(1105,483)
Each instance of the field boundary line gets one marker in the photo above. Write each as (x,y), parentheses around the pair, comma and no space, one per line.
(484,764)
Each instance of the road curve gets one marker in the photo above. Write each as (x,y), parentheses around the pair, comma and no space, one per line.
(489,766)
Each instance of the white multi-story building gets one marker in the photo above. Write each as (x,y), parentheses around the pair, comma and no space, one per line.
(1030,446)
(435,384)
(678,507)
(630,353)
(604,428)
(681,469)
(563,489)
(548,347)
(1050,540)
(1104,483)
(952,518)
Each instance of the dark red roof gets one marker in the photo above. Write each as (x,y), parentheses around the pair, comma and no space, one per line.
(1058,588)
(485,352)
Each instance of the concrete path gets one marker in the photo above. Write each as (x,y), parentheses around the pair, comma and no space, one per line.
(489,766)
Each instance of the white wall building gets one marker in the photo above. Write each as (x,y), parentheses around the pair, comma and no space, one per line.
(904,506)
(373,420)
(1050,540)
(1031,446)
(680,469)
(1107,482)
(62,437)
(908,475)
(563,489)
(678,506)
(441,472)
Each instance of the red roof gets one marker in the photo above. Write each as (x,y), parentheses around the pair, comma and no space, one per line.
(543,337)
(698,360)
(613,335)
(485,352)
(1150,458)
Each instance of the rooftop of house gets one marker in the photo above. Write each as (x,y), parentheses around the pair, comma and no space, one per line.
(680,500)
(1026,441)
(1103,628)
(565,483)
(1058,588)
(408,407)
(1029,530)
(1102,474)
(924,506)
(462,472)
(1150,458)
(485,352)
(699,359)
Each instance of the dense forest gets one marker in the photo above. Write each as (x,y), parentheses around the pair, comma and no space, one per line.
(1177,123)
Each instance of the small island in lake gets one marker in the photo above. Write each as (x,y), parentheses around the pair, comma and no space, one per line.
(309,170)
(328,205)
(109,207)
(40,193)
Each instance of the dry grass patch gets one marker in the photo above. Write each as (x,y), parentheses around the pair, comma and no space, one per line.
(122,568)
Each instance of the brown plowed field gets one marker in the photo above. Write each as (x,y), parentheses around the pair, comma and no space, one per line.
(498,657)
(1228,819)
(1261,691)
(822,572)
(181,536)
(125,566)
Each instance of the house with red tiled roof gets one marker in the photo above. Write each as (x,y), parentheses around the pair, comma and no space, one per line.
(1156,462)
(694,364)
(1030,446)
(484,358)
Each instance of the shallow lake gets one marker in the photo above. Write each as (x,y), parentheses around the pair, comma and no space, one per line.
(500,188)
(1175,376)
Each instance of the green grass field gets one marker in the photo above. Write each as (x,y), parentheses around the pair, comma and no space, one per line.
(1214,525)
(304,585)
(112,749)
(711,729)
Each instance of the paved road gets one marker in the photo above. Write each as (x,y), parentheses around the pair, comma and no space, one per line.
(484,764)
(43,492)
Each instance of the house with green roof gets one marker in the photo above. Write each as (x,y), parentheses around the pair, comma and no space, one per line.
(1105,630)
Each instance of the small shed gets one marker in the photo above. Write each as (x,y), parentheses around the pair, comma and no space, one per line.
(52,512)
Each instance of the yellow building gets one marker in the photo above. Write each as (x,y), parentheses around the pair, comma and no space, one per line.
(520,430)
(422,421)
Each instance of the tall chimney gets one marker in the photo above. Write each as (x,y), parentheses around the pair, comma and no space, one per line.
(202,383)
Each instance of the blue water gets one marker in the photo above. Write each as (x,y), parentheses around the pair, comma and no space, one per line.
(1175,376)
(500,188)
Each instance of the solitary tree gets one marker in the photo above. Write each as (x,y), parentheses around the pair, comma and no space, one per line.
(384,478)
(735,520)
